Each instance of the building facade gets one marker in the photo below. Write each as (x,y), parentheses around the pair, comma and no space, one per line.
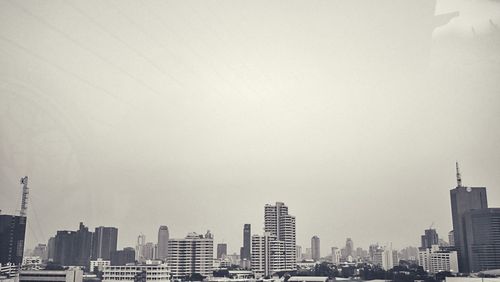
(436,259)
(245,250)
(279,223)
(429,238)
(336,255)
(147,272)
(70,275)
(73,248)
(104,242)
(12,231)
(122,257)
(315,248)
(221,250)
(268,255)
(163,237)
(190,255)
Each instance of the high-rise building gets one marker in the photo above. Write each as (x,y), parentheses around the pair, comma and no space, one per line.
(336,255)
(349,248)
(12,231)
(482,239)
(163,237)
(122,257)
(104,242)
(149,251)
(436,259)
(245,250)
(280,224)
(464,199)
(315,248)
(221,250)
(193,254)
(267,255)
(73,248)
(298,251)
(385,257)
(429,238)
(51,248)
(139,248)
(451,238)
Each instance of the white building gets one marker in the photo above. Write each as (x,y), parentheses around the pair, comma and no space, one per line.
(386,258)
(193,254)
(336,255)
(279,223)
(99,264)
(158,272)
(267,255)
(70,275)
(434,260)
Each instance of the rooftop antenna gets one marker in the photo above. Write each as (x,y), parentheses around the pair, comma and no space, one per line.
(24,201)
(459,177)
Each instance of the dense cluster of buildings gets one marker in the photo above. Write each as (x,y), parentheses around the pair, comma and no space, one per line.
(473,245)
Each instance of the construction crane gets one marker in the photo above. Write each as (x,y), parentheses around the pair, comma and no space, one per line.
(24,200)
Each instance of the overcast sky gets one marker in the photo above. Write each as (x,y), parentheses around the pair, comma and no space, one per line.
(195,114)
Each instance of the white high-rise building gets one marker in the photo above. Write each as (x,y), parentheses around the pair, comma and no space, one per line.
(267,255)
(386,258)
(193,254)
(139,248)
(435,260)
(279,223)
(336,255)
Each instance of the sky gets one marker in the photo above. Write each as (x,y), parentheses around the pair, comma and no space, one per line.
(195,114)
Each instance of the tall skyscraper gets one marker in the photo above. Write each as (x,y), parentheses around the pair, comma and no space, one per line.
(104,242)
(349,248)
(221,250)
(163,237)
(12,231)
(245,250)
(315,248)
(193,254)
(429,238)
(280,224)
(73,248)
(482,239)
(139,247)
(464,199)
(336,255)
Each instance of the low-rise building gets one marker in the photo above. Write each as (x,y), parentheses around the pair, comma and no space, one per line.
(70,275)
(437,259)
(99,264)
(151,272)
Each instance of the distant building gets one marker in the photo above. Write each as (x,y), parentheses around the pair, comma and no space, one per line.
(315,248)
(73,248)
(192,254)
(435,259)
(298,251)
(482,239)
(32,261)
(104,242)
(429,238)
(349,248)
(221,250)
(267,255)
(451,238)
(70,275)
(99,264)
(386,258)
(336,255)
(40,250)
(149,251)
(139,248)
(147,272)
(279,223)
(122,257)
(12,231)
(163,237)
(245,250)
(51,248)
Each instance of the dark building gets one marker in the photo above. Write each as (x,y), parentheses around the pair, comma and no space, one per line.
(104,242)
(122,257)
(51,248)
(482,233)
(247,237)
(429,238)
(12,231)
(73,248)
(221,250)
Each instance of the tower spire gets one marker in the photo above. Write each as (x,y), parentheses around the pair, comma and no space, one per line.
(459,177)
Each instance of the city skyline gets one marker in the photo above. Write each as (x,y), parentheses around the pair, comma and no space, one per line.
(195,114)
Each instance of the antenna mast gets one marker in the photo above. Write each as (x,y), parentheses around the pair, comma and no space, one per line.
(24,201)
(459,177)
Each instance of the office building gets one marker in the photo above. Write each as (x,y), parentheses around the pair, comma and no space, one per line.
(349,248)
(279,223)
(268,255)
(436,259)
(245,250)
(104,242)
(464,199)
(122,257)
(336,255)
(12,231)
(146,272)
(70,275)
(163,237)
(221,250)
(192,254)
(482,239)
(99,264)
(315,248)
(139,248)
(73,248)
(429,238)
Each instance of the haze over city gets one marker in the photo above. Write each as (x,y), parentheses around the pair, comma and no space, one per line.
(196,114)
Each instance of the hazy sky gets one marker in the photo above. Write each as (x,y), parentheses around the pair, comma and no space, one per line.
(195,114)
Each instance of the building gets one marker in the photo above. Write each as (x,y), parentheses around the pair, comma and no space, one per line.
(429,238)
(298,251)
(149,251)
(73,248)
(451,238)
(221,250)
(70,275)
(99,264)
(482,239)
(464,199)
(336,255)
(104,242)
(51,248)
(147,272)
(163,237)
(192,254)
(122,257)
(436,259)
(386,258)
(280,224)
(349,248)
(315,248)
(139,248)
(268,255)
(245,250)
(40,250)
(12,231)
